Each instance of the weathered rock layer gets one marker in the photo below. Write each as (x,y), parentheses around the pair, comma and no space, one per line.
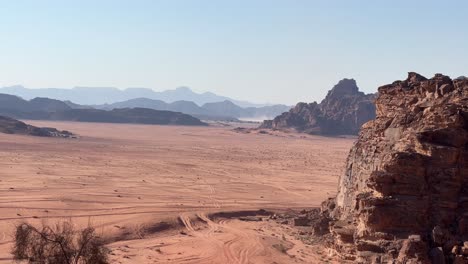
(404,195)
(343,111)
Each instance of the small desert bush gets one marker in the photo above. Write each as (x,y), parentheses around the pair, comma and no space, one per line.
(281,248)
(59,244)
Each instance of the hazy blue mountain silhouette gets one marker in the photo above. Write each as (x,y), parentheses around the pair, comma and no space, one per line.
(225,108)
(109,95)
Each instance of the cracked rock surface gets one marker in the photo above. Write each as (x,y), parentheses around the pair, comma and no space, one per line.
(403,197)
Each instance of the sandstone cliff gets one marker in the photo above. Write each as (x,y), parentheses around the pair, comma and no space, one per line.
(343,111)
(404,195)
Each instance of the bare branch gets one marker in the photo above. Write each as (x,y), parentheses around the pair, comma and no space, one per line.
(61,244)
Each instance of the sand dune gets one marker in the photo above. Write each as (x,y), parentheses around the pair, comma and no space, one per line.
(126,179)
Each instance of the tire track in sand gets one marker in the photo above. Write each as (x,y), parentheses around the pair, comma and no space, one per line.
(239,249)
(246,245)
(228,254)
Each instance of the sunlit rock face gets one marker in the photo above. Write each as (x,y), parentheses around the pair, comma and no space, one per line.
(404,194)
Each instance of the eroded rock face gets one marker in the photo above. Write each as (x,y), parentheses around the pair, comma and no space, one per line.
(343,111)
(404,193)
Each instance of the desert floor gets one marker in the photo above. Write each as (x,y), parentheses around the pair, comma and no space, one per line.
(129,180)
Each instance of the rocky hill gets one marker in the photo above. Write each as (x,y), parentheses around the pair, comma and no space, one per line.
(404,195)
(13,126)
(343,111)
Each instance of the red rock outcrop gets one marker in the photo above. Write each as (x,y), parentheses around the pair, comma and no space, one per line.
(343,111)
(404,195)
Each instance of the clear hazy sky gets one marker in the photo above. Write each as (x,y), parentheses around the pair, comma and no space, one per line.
(262,51)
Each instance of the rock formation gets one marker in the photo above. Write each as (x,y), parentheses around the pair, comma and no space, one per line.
(404,195)
(13,126)
(343,111)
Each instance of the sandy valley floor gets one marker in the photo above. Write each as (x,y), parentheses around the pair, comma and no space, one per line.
(126,178)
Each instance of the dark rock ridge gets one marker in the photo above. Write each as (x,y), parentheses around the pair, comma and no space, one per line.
(404,195)
(50,109)
(13,126)
(343,111)
(127,115)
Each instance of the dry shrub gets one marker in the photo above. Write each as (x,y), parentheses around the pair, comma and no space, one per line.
(61,244)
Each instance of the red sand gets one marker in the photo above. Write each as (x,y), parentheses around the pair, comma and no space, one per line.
(124,177)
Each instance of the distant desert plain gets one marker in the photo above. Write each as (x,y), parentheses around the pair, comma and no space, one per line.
(152,190)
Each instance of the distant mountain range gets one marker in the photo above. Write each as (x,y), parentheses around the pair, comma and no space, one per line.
(109,95)
(51,109)
(215,110)
(206,106)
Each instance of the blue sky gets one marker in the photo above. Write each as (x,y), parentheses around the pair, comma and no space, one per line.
(263,51)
